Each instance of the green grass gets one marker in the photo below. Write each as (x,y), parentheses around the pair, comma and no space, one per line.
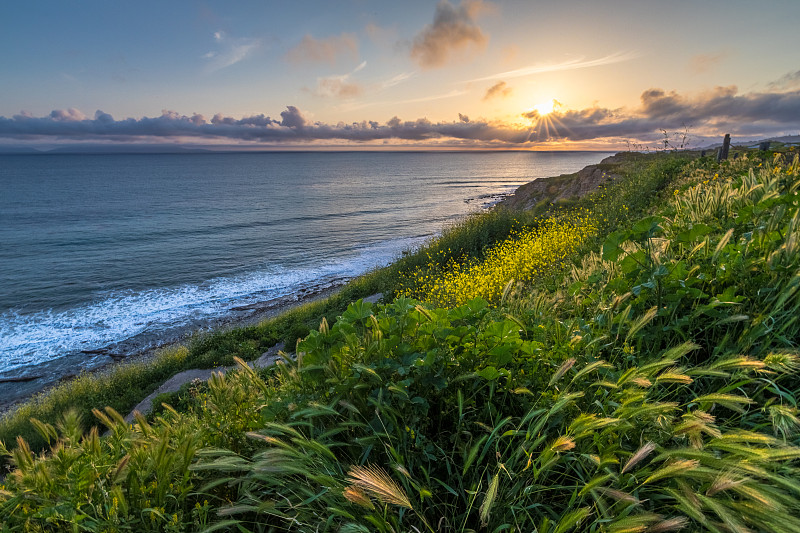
(125,385)
(647,384)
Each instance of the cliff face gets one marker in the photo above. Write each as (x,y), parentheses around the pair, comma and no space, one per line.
(567,186)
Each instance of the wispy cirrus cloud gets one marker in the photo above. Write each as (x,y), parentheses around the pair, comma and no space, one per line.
(789,81)
(421,99)
(572,64)
(229,51)
(397,79)
(440,96)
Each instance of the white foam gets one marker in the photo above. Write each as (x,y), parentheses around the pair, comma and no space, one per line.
(34,338)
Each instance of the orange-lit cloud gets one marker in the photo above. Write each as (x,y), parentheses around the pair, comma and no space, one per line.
(311,50)
(702,63)
(498,89)
(722,110)
(340,86)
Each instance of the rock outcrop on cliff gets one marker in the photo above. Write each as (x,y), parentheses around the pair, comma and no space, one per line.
(567,186)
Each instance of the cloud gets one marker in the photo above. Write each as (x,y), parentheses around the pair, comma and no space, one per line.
(789,81)
(702,63)
(311,50)
(429,98)
(292,118)
(719,111)
(396,80)
(498,89)
(723,103)
(383,36)
(451,94)
(230,51)
(67,115)
(453,30)
(722,110)
(572,64)
(510,53)
(340,86)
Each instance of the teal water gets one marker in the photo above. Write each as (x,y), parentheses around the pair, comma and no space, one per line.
(119,251)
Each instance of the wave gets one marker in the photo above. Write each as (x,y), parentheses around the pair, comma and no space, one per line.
(29,339)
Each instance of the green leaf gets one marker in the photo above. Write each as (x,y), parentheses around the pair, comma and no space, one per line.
(502,355)
(489,373)
(697,231)
(357,311)
(647,227)
(611,246)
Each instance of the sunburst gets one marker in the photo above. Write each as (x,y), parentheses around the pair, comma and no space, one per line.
(545,119)
(545,108)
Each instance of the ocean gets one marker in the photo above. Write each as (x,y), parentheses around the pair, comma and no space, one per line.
(120,252)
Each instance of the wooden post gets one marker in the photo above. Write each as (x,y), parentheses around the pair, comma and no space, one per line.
(726,145)
(764,146)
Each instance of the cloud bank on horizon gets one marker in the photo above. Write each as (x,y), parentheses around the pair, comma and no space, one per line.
(749,114)
(462,73)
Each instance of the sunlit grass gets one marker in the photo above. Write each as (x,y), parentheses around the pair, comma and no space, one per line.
(527,254)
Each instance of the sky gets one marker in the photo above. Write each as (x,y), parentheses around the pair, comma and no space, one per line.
(368,74)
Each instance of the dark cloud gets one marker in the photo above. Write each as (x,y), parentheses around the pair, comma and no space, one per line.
(657,103)
(453,29)
(311,50)
(293,118)
(498,89)
(720,111)
(725,104)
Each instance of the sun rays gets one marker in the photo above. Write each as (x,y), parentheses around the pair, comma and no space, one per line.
(545,122)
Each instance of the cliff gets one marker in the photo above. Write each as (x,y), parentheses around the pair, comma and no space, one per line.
(567,186)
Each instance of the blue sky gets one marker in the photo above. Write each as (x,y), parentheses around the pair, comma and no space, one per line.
(359,73)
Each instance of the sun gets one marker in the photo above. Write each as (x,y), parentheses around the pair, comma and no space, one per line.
(545,108)
(545,120)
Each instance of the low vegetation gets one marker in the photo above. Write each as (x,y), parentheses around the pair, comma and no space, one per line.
(125,385)
(627,363)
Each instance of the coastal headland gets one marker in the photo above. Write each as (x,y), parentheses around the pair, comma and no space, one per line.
(616,340)
(15,388)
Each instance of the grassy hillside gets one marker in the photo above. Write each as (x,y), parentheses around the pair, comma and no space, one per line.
(125,385)
(624,362)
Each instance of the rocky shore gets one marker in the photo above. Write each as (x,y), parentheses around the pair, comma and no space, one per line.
(17,389)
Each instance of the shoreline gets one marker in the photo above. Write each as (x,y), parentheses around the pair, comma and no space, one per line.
(238,317)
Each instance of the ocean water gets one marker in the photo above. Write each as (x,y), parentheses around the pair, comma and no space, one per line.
(116,252)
